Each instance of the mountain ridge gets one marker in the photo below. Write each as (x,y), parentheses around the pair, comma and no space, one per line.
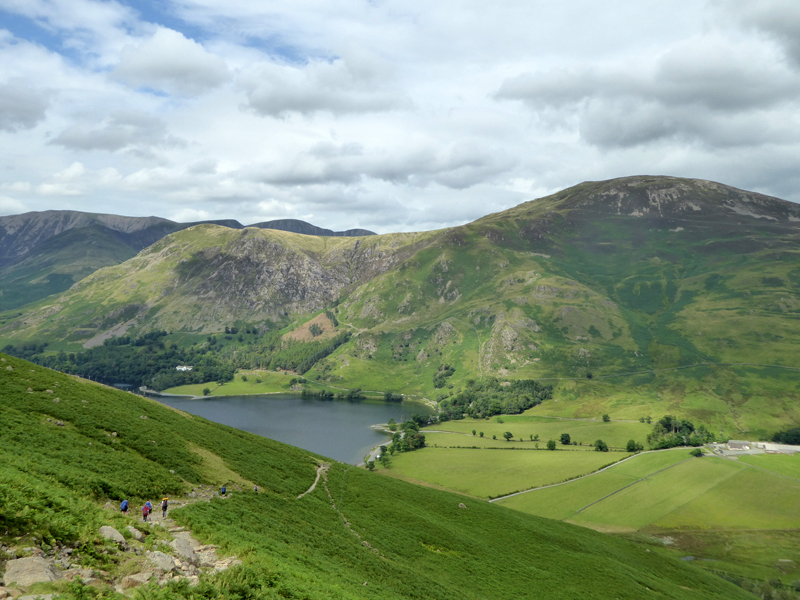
(40,253)
(582,283)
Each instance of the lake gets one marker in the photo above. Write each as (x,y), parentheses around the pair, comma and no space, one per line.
(336,429)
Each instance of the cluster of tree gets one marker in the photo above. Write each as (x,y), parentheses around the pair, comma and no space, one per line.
(634,446)
(408,437)
(790,437)
(352,395)
(149,361)
(145,360)
(490,396)
(301,356)
(669,432)
(26,351)
(442,375)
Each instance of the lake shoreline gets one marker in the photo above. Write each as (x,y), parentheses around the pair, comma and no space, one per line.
(343,430)
(422,401)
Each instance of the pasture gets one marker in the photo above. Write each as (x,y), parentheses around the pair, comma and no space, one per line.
(614,433)
(461,440)
(491,473)
(739,517)
(245,382)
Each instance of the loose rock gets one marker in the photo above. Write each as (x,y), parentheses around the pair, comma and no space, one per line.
(109,533)
(135,580)
(162,561)
(185,549)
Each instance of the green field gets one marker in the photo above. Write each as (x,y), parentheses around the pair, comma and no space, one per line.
(258,382)
(652,499)
(747,499)
(562,502)
(782,464)
(738,519)
(492,473)
(677,493)
(615,433)
(460,440)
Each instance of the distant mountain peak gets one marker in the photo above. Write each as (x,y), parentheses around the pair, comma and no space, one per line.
(298,226)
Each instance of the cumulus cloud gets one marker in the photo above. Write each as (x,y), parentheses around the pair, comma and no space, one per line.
(170,62)
(459,165)
(406,115)
(11,206)
(21,106)
(355,83)
(780,19)
(189,215)
(121,131)
(716,100)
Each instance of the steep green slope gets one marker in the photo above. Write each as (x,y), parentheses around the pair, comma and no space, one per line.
(205,277)
(43,253)
(68,446)
(55,265)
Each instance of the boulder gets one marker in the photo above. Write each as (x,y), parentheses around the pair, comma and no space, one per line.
(185,549)
(109,533)
(137,535)
(162,561)
(27,571)
(135,580)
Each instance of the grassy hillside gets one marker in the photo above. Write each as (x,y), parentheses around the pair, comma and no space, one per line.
(55,265)
(69,446)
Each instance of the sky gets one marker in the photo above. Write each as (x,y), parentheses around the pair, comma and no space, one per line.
(388,115)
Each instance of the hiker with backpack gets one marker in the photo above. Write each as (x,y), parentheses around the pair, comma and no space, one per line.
(124,507)
(164,505)
(145,512)
(149,506)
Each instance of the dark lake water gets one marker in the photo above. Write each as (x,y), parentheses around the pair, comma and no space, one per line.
(337,429)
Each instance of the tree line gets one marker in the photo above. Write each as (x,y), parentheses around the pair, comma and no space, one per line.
(149,360)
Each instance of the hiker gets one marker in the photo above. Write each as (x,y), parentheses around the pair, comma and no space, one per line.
(255,489)
(124,507)
(145,512)
(149,506)
(223,490)
(164,505)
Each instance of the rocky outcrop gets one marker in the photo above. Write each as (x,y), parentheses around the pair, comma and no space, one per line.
(27,571)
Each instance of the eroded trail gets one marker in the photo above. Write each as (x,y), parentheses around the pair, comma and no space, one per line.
(345,522)
(321,469)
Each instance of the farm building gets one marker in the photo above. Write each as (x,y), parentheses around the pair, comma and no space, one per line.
(739,445)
